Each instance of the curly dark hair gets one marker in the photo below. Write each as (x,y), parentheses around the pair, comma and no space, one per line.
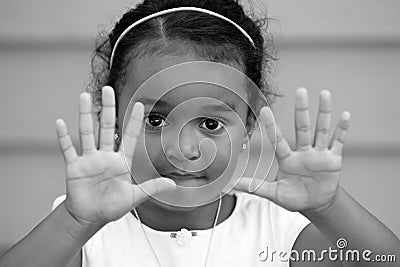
(211,38)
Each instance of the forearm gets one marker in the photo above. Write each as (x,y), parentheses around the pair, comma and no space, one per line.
(54,242)
(345,218)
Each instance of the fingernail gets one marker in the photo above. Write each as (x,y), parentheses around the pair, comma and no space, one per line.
(169,181)
(346,115)
(325,93)
(302,89)
(253,186)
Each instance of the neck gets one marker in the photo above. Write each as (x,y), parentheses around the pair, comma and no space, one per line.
(198,218)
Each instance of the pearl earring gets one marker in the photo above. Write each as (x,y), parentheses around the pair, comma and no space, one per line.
(116,136)
(244,146)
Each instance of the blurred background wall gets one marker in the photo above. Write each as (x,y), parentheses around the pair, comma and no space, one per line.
(350,47)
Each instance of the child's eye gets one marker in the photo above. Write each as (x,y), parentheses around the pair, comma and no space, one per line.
(211,125)
(155,121)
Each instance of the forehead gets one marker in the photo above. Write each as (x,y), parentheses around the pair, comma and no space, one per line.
(206,97)
(159,86)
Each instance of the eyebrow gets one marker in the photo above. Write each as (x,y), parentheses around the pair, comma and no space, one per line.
(153,102)
(223,107)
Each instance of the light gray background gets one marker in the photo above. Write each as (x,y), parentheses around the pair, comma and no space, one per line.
(351,48)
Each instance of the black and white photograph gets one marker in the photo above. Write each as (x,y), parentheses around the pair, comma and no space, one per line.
(199,133)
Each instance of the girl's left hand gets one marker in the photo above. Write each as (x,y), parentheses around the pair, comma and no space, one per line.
(308,177)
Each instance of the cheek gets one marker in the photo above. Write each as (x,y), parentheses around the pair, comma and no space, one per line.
(146,158)
(227,155)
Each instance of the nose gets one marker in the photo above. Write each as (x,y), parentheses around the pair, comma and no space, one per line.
(184,144)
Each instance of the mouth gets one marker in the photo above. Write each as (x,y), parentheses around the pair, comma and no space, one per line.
(182,175)
(186,179)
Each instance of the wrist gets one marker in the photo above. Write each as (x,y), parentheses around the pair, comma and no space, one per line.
(77,228)
(327,210)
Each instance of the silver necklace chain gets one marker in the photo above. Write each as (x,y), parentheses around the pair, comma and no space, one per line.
(209,243)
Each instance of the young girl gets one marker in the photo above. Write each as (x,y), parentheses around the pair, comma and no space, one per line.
(119,212)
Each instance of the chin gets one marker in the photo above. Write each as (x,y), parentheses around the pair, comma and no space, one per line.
(170,207)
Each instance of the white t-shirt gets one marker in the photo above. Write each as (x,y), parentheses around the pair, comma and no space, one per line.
(257,233)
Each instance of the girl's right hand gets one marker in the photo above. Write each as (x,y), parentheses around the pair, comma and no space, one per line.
(99,185)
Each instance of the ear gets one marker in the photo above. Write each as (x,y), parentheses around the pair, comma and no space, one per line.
(249,132)
(246,137)
(96,123)
(251,124)
(117,139)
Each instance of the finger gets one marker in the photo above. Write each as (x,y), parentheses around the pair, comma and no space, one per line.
(340,134)
(132,131)
(150,188)
(86,124)
(266,190)
(65,142)
(323,121)
(274,133)
(302,120)
(107,119)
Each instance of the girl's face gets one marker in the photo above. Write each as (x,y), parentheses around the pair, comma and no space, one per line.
(193,134)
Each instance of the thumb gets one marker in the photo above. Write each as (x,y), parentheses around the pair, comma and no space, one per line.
(151,187)
(258,187)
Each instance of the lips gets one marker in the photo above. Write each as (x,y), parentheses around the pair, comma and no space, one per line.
(182,175)
(187,179)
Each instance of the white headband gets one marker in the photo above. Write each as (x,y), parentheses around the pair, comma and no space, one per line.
(170,11)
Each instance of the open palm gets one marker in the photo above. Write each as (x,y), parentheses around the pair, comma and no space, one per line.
(99,185)
(308,177)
